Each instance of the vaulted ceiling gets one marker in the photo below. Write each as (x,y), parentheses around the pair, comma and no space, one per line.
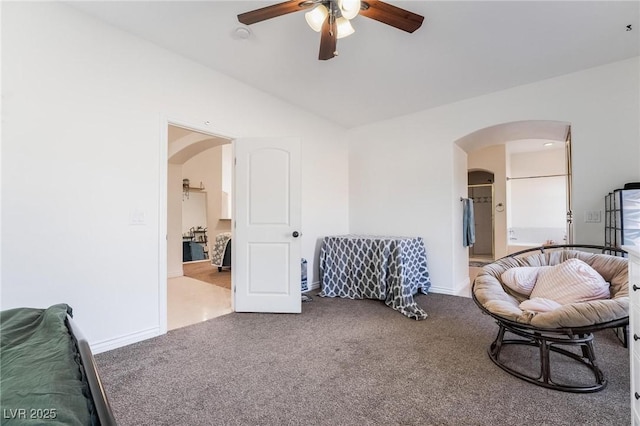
(463,49)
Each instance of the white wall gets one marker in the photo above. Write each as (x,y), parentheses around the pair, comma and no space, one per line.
(538,205)
(84,110)
(458,251)
(538,163)
(194,211)
(401,183)
(226,199)
(402,171)
(206,167)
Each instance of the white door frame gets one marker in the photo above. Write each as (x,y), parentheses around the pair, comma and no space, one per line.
(165,122)
(569,171)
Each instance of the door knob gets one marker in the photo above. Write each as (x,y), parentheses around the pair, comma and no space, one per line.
(296,234)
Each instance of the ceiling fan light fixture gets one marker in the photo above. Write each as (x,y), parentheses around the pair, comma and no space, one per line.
(331,18)
(316,17)
(349,8)
(344,27)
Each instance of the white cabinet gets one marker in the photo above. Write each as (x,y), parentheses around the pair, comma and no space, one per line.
(634,330)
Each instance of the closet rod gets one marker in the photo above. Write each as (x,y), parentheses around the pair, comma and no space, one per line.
(536,177)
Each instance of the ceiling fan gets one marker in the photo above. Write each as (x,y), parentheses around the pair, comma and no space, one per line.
(331,18)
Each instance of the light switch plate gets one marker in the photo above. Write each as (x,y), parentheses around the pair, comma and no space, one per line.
(592,216)
(137,217)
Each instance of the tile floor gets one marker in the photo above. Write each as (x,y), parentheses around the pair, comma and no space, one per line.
(191,301)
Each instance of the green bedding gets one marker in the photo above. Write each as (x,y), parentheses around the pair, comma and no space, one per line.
(41,381)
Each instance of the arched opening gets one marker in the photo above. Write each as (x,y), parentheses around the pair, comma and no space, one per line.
(512,151)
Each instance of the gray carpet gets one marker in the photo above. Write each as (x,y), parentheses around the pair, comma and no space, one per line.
(347,362)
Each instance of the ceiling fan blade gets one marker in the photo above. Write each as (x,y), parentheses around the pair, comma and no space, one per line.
(269,12)
(392,15)
(328,39)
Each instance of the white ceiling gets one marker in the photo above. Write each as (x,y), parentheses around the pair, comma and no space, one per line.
(464,49)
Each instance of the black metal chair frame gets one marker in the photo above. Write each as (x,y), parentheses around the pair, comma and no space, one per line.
(550,340)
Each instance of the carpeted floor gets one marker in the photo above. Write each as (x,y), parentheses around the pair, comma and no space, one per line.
(348,362)
(205,271)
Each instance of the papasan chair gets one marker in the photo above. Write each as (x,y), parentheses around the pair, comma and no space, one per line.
(505,290)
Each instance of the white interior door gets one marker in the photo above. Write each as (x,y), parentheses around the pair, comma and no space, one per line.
(266,236)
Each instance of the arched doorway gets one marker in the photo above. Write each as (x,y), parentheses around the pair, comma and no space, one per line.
(493,141)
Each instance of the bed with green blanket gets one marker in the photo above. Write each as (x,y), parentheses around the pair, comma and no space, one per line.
(47,372)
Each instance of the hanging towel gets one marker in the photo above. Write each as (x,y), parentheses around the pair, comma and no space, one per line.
(468,225)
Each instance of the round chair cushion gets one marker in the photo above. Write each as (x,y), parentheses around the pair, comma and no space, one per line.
(502,301)
(571,281)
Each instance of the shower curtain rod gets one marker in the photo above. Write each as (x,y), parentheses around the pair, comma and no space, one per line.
(536,177)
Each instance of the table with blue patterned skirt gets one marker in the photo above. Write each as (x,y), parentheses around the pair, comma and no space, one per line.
(392,269)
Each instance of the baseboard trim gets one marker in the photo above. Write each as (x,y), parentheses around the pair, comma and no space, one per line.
(118,342)
(443,290)
(313,286)
(175,274)
(462,290)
